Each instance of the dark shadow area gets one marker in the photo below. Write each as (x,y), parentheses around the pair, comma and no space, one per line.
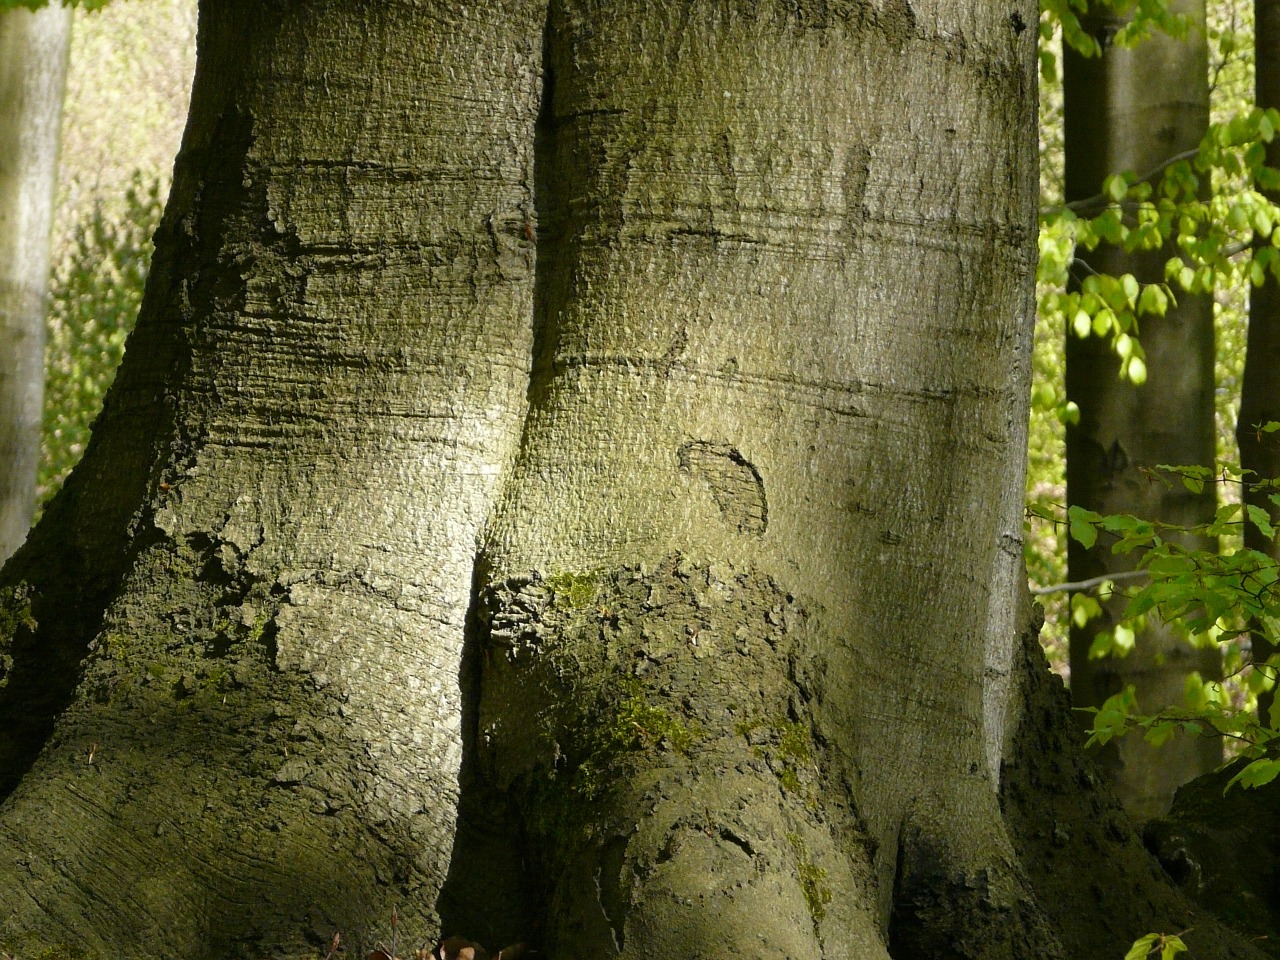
(487,896)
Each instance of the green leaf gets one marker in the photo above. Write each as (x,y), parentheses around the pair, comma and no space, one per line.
(1137,371)
(1103,645)
(1081,324)
(1142,946)
(1261,521)
(1084,608)
(1256,774)
(1124,640)
(1153,300)
(1115,188)
(1082,525)
(1130,286)
(1103,321)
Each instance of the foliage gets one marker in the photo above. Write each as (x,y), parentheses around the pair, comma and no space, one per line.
(1166,946)
(1223,239)
(39,4)
(1212,243)
(93,302)
(1212,597)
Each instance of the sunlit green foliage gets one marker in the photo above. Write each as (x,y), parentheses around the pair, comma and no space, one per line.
(1207,202)
(1164,946)
(37,4)
(93,301)
(1213,598)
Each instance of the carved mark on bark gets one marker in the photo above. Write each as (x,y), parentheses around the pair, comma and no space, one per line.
(734,482)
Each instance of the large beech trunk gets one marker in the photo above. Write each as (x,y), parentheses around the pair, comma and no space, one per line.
(1133,109)
(563,485)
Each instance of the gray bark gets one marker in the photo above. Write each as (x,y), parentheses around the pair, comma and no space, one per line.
(279,509)
(1131,109)
(718,674)
(33,70)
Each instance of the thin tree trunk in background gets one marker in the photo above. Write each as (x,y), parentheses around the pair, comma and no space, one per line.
(1260,389)
(1132,109)
(33,70)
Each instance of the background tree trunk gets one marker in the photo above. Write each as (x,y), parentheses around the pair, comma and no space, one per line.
(1132,109)
(33,70)
(1260,388)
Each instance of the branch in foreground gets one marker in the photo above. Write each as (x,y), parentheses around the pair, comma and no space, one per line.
(1077,585)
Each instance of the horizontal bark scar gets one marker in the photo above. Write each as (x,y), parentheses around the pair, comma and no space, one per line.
(734,482)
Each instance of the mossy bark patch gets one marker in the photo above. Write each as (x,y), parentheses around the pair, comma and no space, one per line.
(667,762)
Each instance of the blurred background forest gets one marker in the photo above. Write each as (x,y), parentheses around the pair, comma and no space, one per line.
(128,82)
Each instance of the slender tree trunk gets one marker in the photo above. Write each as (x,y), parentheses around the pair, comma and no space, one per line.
(1260,390)
(33,70)
(1132,109)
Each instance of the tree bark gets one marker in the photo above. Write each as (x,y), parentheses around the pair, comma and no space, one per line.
(33,70)
(277,516)
(710,326)
(1259,396)
(1132,109)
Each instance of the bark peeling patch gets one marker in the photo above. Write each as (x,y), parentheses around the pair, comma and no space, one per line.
(734,482)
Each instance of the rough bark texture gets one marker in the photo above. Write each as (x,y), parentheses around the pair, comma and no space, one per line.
(723,690)
(1132,109)
(267,551)
(1079,847)
(33,71)
(768,364)
(1223,849)
(1259,389)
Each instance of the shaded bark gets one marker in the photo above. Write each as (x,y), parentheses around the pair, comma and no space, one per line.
(1222,847)
(1078,844)
(1132,109)
(1259,388)
(33,71)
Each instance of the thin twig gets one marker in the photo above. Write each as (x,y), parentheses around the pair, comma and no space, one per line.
(1097,198)
(1078,585)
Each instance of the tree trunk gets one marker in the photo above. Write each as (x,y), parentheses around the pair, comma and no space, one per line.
(722,690)
(1132,109)
(33,71)
(1259,389)
(268,547)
